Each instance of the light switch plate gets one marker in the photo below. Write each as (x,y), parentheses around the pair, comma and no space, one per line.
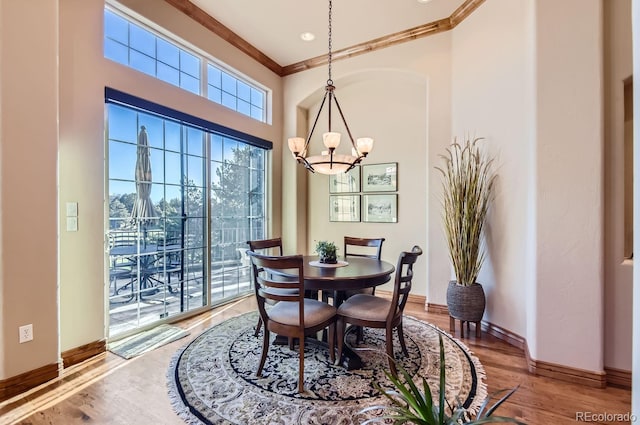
(72,224)
(72,209)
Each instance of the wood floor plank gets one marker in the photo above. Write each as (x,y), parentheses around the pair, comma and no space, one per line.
(110,390)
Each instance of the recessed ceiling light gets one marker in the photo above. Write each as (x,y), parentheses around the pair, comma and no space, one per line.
(307,36)
(424,1)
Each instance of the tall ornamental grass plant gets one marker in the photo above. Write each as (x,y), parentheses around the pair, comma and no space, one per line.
(468,180)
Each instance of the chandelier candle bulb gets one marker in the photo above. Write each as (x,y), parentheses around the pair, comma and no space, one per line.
(331,140)
(365,145)
(296,145)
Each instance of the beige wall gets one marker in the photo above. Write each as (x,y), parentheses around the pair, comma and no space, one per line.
(569,128)
(534,89)
(28,184)
(491,98)
(406,109)
(31,201)
(618,271)
(401,140)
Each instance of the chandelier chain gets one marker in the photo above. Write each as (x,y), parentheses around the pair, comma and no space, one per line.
(330,81)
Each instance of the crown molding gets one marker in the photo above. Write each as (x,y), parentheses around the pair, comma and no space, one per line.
(430,28)
(371,45)
(216,27)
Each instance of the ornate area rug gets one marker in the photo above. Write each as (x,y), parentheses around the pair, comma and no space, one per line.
(212,380)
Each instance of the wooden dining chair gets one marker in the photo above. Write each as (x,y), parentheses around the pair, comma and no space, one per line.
(376,312)
(358,247)
(272,247)
(293,315)
(362,247)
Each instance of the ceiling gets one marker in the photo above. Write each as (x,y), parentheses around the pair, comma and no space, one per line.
(274,26)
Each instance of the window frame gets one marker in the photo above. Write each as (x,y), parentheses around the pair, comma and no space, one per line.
(205,59)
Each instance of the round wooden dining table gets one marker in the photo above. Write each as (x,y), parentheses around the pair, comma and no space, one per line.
(350,273)
(357,273)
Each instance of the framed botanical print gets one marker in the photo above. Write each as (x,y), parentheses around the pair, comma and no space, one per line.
(345,182)
(380,177)
(344,208)
(380,208)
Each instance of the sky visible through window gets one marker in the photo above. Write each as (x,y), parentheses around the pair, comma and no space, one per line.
(178,158)
(136,47)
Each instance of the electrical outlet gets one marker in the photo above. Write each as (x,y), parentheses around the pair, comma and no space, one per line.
(26,333)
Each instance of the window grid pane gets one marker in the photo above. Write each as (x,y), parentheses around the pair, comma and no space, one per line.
(130,44)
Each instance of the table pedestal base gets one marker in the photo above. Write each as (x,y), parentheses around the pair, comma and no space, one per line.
(350,359)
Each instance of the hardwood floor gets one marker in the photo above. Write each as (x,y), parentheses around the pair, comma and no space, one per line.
(110,390)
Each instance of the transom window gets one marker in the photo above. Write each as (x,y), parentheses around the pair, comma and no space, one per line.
(227,90)
(131,44)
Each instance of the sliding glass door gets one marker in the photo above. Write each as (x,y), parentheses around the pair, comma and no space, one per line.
(237,211)
(183,201)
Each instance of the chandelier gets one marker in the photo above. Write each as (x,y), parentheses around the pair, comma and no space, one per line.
(330,162)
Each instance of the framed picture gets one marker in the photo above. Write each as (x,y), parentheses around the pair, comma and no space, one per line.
(380,177)
(345,182)
(380,208)
(344,208)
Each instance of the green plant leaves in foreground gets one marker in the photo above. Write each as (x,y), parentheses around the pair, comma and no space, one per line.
(410,404)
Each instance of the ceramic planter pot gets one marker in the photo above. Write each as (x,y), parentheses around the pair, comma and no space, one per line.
(466,303)
(328,258)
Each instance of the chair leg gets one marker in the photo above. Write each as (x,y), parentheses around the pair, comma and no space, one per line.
(332,342)
(402,342)
(389,344)
(360,335)
(340,338)
(325,297)
(301,367)
(265,349)
(258,326)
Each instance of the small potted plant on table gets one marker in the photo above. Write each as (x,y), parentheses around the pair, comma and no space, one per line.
(327,252)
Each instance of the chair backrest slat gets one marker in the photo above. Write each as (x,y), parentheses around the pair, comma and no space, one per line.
(266,246)
(403,280)
(358,247)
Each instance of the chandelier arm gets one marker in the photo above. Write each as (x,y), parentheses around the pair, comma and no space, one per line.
(306,143)
(306,164)
(346,126)
(331,96)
